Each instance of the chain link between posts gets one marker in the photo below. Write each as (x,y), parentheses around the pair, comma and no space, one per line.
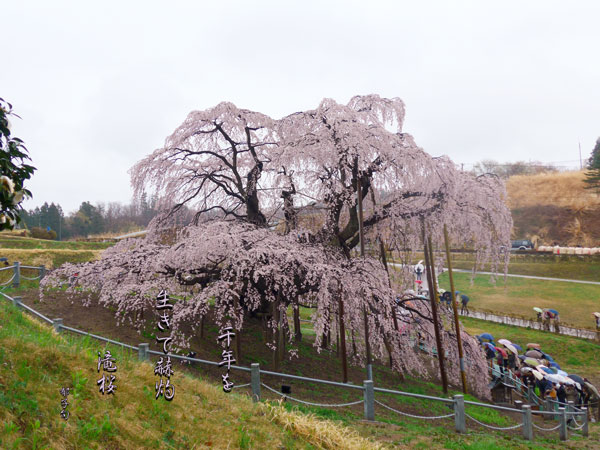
(310,403)
(27,278)
(8,282)
(493,427)
(413,415)
(545,429)
(241,385)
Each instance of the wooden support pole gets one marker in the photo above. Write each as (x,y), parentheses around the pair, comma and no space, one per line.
(434,312)
(362,254)
(342,334)
(461,360)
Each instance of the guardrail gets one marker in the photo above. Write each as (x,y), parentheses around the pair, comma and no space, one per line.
(457,403)
(17,275)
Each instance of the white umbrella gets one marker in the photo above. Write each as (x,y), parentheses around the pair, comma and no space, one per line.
(511,348)
(537,374)
(562,373)
(554,378)
(597,314)
(504,342)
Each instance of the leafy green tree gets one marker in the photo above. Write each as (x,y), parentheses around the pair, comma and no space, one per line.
(592,176)
(13,170)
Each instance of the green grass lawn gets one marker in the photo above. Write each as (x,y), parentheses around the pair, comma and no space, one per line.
(575,302)
(7,241)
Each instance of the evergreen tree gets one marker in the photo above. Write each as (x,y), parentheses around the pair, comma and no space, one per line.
(592,176)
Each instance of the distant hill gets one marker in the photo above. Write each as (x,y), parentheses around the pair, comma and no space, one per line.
(554,208)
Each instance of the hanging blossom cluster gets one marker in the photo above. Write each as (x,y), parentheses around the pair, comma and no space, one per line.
(276,205)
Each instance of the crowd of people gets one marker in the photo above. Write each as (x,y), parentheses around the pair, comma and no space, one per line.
(538,369)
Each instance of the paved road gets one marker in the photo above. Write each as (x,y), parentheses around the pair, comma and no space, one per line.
(533,277)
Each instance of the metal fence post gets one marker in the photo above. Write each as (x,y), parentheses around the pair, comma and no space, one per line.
(17,302)
(57,324)
(42,271)
(460,421)
(527,424)
(369,400)
(143,352)
(17,279)
(584,429)
(255,381)
(562,426)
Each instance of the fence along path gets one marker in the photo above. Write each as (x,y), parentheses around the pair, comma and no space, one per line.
(457,403)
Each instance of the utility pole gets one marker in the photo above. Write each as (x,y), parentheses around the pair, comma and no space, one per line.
(362,255)
(433,299)
(461,361)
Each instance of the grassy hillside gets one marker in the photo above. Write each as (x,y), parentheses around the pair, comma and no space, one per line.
(554,207)
(575,302)
(36,363)
(36,252)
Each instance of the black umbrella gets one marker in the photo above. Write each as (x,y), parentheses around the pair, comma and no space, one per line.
(533,354)
(576,378)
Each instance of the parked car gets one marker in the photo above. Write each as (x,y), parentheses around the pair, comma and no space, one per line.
(522,244)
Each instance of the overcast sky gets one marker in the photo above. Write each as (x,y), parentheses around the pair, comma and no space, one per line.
(99,85)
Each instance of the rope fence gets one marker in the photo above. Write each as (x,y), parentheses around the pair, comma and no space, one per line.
(414,416)
(322,405)
(491,427)
(457,402)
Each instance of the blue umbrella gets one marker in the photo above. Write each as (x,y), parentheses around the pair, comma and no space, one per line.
(490,346)
(548,357)
(518,347)
(487,336)
(553,311)
(545,369)
(522,357)
(553,364)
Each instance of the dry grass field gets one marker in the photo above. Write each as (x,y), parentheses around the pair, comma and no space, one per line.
(554,208)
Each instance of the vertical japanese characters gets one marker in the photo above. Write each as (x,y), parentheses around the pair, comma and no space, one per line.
(107,363)
(163,366)
(64,403)
(226,335)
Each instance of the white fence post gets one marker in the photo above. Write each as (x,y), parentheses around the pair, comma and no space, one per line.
(562,426)
(17,302)
(527,424)
(460,421)
(17,279)
(369,397)
(57,324)
(584,429)
(255,381)
(143,352)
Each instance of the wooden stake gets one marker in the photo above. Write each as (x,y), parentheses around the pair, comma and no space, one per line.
(455,311)
(433,301)
(342,333)
(362,254)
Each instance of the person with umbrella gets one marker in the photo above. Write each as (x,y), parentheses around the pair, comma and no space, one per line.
(591,398)
(419,270)
(464,301)
(597,317)
(539,312)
